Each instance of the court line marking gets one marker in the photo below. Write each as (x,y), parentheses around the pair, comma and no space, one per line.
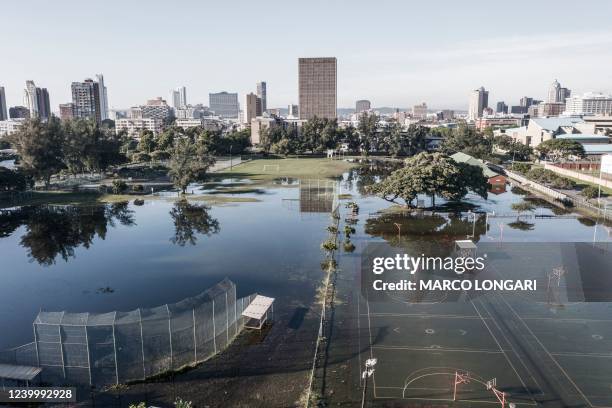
(513,350)
(459,400)
(438,349)
(549,354)
(424,316)
(500,347)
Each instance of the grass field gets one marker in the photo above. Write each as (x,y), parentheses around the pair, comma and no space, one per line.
(266,169)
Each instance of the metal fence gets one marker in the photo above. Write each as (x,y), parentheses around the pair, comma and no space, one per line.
(118,347)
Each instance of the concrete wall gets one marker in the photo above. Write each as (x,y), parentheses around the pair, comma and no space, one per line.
(579,176)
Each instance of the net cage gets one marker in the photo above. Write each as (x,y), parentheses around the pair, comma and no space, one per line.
(119,347)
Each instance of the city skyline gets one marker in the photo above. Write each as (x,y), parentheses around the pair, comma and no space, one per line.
(378,64)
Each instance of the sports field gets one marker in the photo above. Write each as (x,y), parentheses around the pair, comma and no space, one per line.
(537,353)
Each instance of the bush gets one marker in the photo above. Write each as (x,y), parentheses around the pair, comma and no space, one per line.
(139,202)
(119,186)
(329,245)
(138,188)
(522,168)
(160,155)
(590,192)
(348,246)
(332,229)
(141,157)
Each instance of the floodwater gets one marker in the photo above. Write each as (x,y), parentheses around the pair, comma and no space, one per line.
(124,256)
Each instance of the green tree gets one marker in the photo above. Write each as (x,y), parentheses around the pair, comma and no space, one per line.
(368,129)
(350,136)
(12,180)
(433,174)
(555,149)
(39,146)
(467,140)
(146,144)
(188,163)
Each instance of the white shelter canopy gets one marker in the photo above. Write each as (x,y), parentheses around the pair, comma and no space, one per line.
(258,307)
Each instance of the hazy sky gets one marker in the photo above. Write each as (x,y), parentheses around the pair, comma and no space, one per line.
(395,53)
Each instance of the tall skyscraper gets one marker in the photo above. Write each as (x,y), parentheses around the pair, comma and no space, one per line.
(253,107)
(557,93)
(86,100)
(183,96)
(479,100)
(37,101)
(317,87)
(501,107)
(224,104)
(103,97)
(526,101)
(262,94)
(362,105)
(3,111)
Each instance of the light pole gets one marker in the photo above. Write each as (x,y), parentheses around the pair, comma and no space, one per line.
(231,157)
(367,373)
(487,222)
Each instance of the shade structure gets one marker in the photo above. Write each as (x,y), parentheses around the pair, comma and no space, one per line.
(258,311)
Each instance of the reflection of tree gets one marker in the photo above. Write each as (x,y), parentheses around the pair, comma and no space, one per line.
(190,219)
(370,173)
(521,225)
(419,230)
(53,231)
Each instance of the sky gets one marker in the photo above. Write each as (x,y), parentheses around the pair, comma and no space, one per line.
(394,53)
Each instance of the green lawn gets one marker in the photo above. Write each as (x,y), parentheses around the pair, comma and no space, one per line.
(266,169)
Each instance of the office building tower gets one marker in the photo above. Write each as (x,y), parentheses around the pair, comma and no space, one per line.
(252,108)
(182,96)
(3,110)
(37,101)
(175,99)
(479,100)
(501,107)
(86,100)
(589,104)
(557,93)
(317,87)
(103,97)
(66,111)
(224,104)
(526,102)
(419,111)
(293,111)
(19,112)
(262,94)
(362,105)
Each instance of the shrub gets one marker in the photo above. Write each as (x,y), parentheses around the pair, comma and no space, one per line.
(160,155)
(522,168)
(329,245)
(348,230)
(138,188)
(119,186)
(332,229)
(590,192)
(141,157)
(348,246)
(139,202)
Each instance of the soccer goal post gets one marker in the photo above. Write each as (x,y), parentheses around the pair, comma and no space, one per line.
(271,167)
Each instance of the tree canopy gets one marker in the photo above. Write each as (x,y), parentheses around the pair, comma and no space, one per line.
(556,149)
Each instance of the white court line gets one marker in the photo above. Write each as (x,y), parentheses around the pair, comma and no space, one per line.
(459,400)
(438,349)
(550,355)
(514,351)
(500,347)
(424,316)
(571,354)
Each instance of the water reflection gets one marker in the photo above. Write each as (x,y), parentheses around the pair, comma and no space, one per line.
(52,231)
(191,219)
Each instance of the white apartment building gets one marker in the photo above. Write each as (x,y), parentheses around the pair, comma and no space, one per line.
(589,104)
(8,127)
(133,127)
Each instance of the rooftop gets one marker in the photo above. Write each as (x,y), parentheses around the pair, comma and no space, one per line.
(556,122)
(18,372)
(466,158)
(579,136)
(597,148)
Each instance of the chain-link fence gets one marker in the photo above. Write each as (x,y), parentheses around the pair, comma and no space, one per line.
(118,347)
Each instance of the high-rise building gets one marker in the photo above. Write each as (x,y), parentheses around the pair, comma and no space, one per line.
(86,100)
(224,104)
(558,94)
(362,105)
(293,111)
(501,107)
(317,87)
(479,100)
(19,112)
(589,104)
(66,111)
(103,97)
(37,101)
(253,107)
(183,96)
(3,110)
(262,94)
(526,101)
(419,111)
